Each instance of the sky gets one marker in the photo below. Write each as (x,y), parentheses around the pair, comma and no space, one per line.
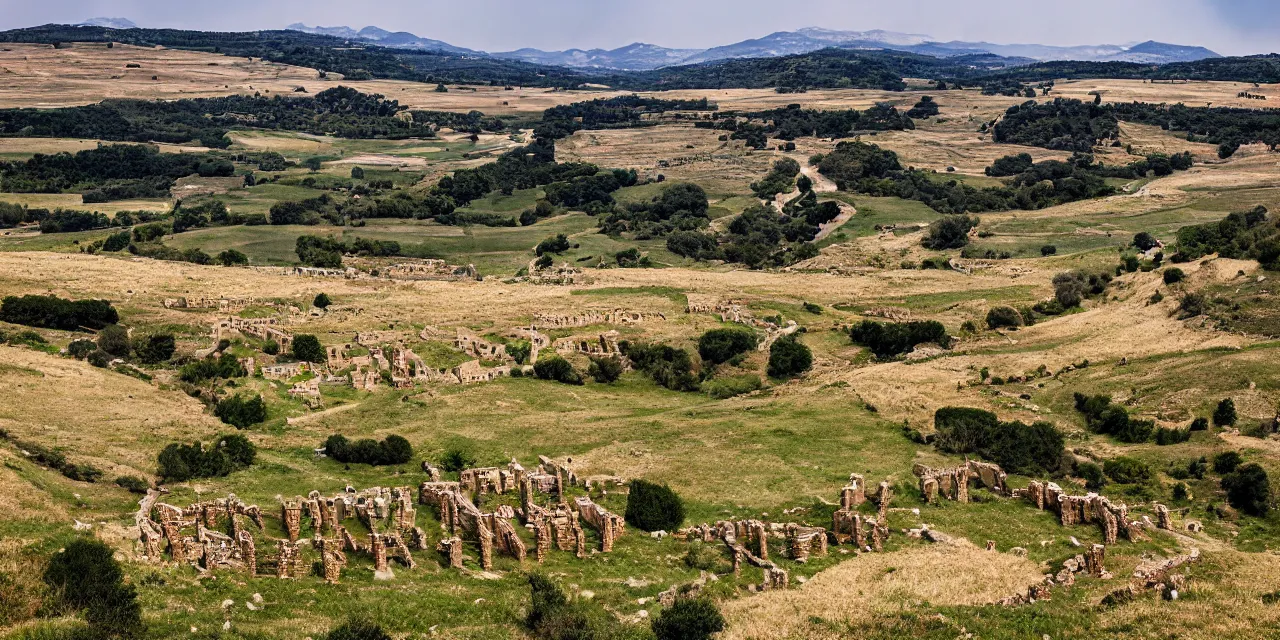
(1231,27)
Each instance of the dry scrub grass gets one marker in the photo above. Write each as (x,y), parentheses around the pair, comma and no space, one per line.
(106,419)
(1192,94)
(692,154)
(874,584)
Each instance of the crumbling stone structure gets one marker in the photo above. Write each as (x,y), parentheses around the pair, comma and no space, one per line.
(610,525)
(953,483)
(588,318)
(803,542)
(451,549)
(1112,518)
(603,345)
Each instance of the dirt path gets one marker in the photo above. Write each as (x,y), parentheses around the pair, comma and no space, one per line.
(847,212)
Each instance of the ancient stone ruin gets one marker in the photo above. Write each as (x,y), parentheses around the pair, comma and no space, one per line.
(1113,519)
(953,483)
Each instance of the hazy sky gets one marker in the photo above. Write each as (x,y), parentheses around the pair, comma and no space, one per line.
(1227,26)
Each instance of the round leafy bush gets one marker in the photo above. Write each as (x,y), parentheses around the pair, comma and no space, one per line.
(654,507)
(718,346)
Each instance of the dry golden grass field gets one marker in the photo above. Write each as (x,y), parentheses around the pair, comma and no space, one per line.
(780,451)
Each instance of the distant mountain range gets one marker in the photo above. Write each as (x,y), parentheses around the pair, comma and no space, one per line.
(110,23)
(643,57)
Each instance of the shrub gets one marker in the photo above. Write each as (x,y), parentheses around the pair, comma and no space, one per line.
(999,317)
(225,366)
(1144,241)
(1072,287)
(85,575)
(393,449)
(1016,447)
(1126,470)
(557,369)
(1180,492)
(547,600)
(114,339)
(654,507)
(322,300)
(1092,474)
(669,367)
(271,347)
(722,388)
(558,244)
(1225,414)
(180,462)
(1103,417)
(307,348)
(455,460)
(1248,489)
(241,413)
(949,232)
(99,358)
(80,349)
(1173,275)
(605,370)
(231,258)
(1191,305)
(1226,462)
(1200,424)
(155,348)
(813,308)
(1172,436)
(887,340)
(788,358)
(133,484)
(52,312)
(688,619)
(357,628)
(1048,250)
(718,346)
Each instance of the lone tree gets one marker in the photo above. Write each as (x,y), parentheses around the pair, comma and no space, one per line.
(114,339)
(308,349)
(788,358)
(313,163)
(357,173)
(85,575)
(1248,489)
(654,507)
(154,349)
(241,413)
(358,629)
(1225,414)
(322,301)
(688,619)
(718,346)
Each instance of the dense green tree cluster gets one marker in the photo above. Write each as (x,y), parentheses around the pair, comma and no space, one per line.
(341,111)
(780,179)
(718,346)
(1016,447)
(557,369)
(1063,124)
(240,412)
(327,252)
(669,366)
(890,339)
(793,121)
(109,172)
(680,207)
(1105,417)
(52,312)
(225,366)
(181,462)
(393,449)
(610,113)
(1251,234)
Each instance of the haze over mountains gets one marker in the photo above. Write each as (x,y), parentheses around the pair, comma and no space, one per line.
(641,56)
